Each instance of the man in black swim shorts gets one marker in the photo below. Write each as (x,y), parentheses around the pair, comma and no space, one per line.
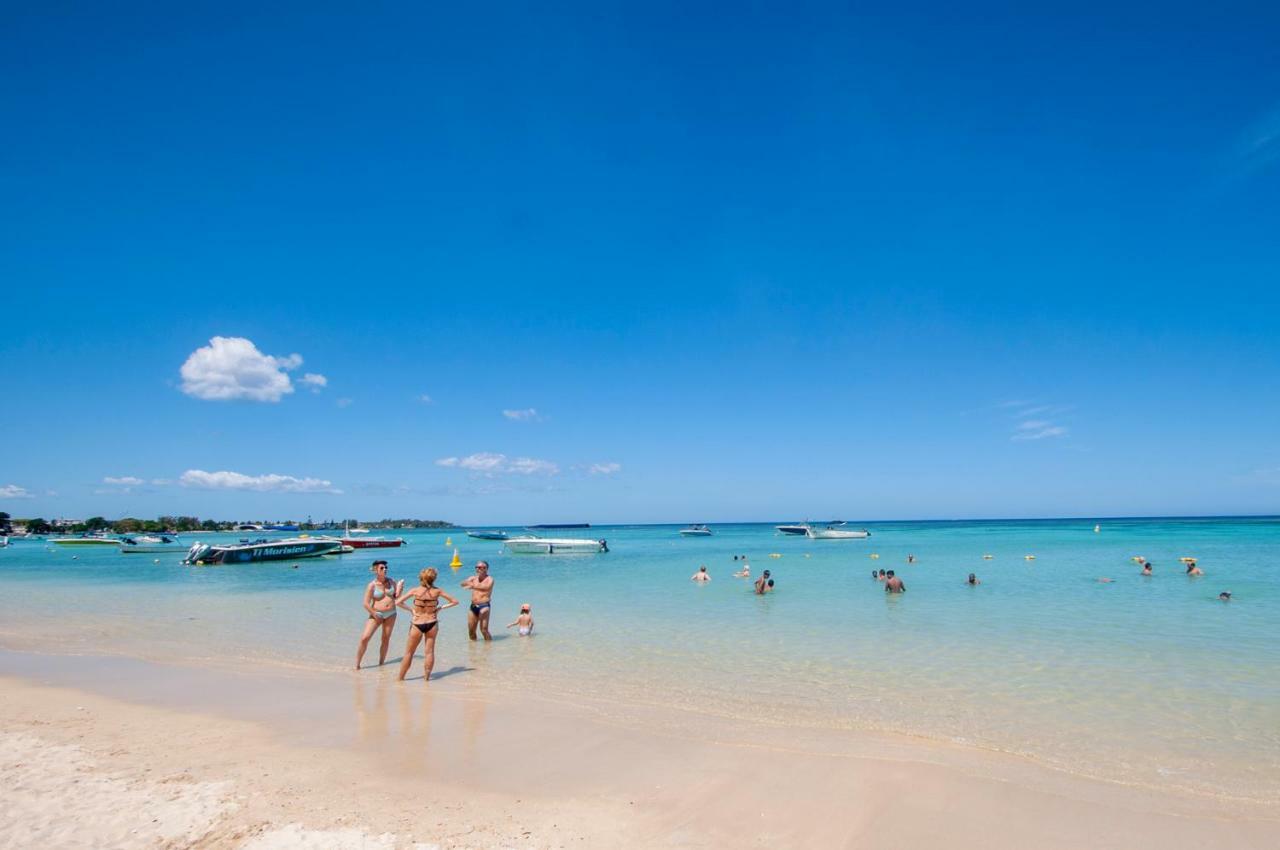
(481,587)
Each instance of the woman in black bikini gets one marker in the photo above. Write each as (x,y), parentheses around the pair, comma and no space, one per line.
(426,605)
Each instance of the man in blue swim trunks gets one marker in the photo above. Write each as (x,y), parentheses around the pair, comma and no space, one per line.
(481,587)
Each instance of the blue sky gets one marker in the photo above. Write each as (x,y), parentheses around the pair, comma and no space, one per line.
(898,260)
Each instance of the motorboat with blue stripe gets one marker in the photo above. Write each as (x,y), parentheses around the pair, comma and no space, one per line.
(263,550)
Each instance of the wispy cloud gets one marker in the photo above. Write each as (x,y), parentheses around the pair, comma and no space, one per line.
(270,483)
(1038,429)
(231,368)
(13,491)
(604,468)
(426,399)
(1032,422)
(314,381)
(495,463)
(124,481)
(1259,146)
(528,414)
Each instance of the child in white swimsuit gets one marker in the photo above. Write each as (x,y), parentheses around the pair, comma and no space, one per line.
(524,621)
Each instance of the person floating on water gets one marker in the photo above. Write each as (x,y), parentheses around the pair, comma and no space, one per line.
(893,584)
(524,621)
(745,572)
(1225,596)
(701,576)
(426,607)
(380,601)
(481,587)
(763,584)
(973,579)
(1146,568)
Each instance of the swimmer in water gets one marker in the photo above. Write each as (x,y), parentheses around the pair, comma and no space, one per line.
(701,576)
(1105,580)
(524,621)
(763,583)
(973,579)
(1193,570)
(893,584)
(882,576)
(911,559)
(1146,568)
(1225,596)
(745,572)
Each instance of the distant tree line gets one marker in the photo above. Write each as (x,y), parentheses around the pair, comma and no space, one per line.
(159,525)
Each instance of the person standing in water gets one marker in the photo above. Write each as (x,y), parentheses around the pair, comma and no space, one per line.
(1146,568)
(701,576)
(380,601)
(481,587)
(973,580)
(893,584)
(763,584)
(524,621)
(426,607)
(1193,570)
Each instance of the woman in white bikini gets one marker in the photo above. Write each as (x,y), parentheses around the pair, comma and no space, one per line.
(380,601)
(426,605)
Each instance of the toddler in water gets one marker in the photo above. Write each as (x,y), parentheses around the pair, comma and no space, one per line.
(524,621)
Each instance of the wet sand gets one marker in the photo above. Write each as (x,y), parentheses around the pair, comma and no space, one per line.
(123,753)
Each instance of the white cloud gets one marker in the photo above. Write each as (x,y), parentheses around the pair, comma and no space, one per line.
(493,463)
(125,481)
(426,399)
(270,483)
(528,414)
(314,381)
(161,481)
(233,368)
(13,491)
(1038,429)
(604,468)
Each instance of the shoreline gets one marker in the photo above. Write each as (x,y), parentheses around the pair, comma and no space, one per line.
(637,780)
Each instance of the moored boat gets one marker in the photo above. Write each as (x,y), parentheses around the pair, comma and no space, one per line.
(146,544)
(695,531)
(830,533)
(372,542)
(531,545)
(87,540)
(797,529)
(263,550)
(488,535)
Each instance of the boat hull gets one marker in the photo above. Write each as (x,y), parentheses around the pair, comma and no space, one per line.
(695,532)
(279,550)
(554,546)
(488,535)
(86,541)
(793,529)
(372,542)
(834,534)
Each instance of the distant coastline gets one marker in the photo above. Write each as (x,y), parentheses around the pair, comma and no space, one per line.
(179,524)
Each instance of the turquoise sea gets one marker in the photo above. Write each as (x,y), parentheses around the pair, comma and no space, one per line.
(1149,681)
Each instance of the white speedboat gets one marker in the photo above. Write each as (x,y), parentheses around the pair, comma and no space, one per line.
(147,544)
(530,545)
(695,531)
(830,533)
(798,529)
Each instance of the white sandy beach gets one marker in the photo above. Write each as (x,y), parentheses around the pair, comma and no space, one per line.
(302,764)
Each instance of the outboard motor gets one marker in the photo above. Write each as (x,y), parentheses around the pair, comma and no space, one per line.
(197,553)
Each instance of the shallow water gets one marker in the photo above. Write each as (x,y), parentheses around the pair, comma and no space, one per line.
(1143,680)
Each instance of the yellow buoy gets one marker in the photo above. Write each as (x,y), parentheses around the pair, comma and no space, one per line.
(1187,560)
(775,554)
(448,541)
(1029,557)
(874,556)
(456,562)
(1137,559)
(986,557)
